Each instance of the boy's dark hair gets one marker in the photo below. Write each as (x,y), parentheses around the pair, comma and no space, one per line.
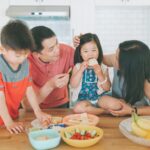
(134,66)
(15,35)
(88,37)
(40,33)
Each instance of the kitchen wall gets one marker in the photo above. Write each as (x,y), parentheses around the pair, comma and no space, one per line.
(113,22)
(3,19)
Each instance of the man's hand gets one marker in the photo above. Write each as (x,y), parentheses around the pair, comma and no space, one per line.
(60,80)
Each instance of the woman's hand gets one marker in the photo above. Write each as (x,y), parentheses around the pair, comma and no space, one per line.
(76,41)
(125,110)
(44,118)
(15,127)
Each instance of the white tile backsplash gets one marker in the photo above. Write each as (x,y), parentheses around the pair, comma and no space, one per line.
(117,24)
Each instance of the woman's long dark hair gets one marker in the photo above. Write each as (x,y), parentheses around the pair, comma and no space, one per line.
(134,66)
(88,37)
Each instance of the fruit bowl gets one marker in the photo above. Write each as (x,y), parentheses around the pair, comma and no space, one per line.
(125,128)
(81,143)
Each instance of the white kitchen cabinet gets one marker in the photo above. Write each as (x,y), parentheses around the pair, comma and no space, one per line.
(115,24)
(40,2)
(109,2)
(138,2)
(82,16)
(24,2)
(55,2)
(121,2)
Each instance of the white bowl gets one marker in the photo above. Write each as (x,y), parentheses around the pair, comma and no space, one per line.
(125,128)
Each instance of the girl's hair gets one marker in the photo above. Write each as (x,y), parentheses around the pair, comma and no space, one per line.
(16,35)
(134,66)
(40,33)
(88,37)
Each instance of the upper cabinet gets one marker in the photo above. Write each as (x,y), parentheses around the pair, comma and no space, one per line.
(25,2)
(121,2)
(40,2)
(138,2)
(82,16)
(109,2)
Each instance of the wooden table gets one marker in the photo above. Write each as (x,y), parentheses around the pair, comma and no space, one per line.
(112,139)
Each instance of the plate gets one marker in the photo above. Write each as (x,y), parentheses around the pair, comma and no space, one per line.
(125,128)
(83,118)
(56,124)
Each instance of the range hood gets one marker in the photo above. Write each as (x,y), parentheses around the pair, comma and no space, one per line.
(31,12)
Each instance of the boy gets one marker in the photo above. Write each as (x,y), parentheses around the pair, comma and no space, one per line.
(15,79)
(50,62)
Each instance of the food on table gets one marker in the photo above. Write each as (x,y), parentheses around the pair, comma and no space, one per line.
(56,120)
(83,118)
(81,135)
(42,138)
(140,126)
(92,62)
(78,134)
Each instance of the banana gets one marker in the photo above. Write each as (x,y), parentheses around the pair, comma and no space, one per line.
(138,131)
(144,123)
(136,128)
(148,136)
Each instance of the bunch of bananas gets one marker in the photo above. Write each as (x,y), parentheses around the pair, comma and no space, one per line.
(140,126)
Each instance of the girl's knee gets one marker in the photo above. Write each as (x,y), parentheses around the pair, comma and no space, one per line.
(80,107)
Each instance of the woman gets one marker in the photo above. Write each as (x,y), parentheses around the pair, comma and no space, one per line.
(131,82)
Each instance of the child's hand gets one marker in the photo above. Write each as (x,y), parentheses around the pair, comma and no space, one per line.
(84,65)
(44,118)
(98,69)
(92,62)
(15,127)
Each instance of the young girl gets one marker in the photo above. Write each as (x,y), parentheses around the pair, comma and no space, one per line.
(90,78)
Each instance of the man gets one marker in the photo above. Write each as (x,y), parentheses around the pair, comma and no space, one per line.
(50,63)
